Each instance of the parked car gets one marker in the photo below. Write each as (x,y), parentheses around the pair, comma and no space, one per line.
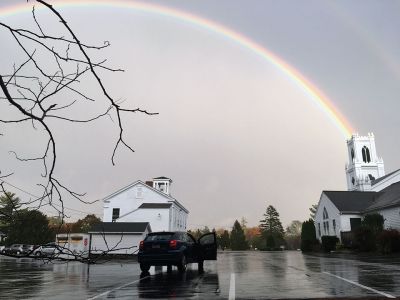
(5,250)
(14,249)
(28,249)
(18,249)
(1,249)
(176,249)
(48,250)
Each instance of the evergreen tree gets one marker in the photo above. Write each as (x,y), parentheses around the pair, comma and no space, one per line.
(270,242)
(308,236)
(29,227)
(9,204)
(271,226)
(238,239)
(224,241)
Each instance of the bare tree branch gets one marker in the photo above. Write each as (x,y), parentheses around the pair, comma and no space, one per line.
(55,68)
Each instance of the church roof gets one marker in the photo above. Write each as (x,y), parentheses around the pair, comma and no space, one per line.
(363,202)
(155,205)
(388,197)
(351,201)
(383,177)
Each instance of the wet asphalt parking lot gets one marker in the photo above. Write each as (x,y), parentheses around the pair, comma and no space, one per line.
(235,275)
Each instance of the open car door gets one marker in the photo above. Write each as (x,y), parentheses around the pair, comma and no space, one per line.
(208,246)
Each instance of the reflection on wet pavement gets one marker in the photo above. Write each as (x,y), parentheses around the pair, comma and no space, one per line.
(258,275)
(163,285)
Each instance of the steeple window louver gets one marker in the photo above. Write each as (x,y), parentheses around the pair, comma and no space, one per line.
(366,154)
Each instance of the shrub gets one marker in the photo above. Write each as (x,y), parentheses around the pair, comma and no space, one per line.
(308,236)
(389,241)
(364,239)
(329,243)
(374,222)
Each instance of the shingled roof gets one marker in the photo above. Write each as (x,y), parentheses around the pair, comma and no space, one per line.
(388,197)
(362,202)
(155,205)
(119,227)
(383,177)
(351,201)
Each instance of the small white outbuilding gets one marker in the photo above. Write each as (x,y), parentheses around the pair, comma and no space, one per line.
(117,238)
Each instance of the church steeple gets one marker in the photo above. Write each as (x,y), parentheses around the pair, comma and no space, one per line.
(364,164)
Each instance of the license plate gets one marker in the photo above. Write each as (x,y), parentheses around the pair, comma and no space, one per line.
(156,246)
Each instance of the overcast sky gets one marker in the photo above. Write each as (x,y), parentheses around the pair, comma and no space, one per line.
(234,133)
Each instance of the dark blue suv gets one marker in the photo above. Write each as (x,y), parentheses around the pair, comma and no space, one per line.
(176,249)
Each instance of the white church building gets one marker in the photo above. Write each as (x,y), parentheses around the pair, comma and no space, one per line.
(369,191)
(149,201)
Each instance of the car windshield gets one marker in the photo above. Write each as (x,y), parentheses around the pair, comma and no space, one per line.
(160,237)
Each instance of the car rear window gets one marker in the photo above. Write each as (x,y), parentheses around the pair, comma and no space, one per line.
(159,237)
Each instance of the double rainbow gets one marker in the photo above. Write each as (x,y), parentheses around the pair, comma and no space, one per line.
(315,95)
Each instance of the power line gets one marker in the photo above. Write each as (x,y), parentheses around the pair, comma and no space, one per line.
(37,198)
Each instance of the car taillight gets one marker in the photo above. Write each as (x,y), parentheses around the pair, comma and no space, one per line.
(173,244)
(141,245)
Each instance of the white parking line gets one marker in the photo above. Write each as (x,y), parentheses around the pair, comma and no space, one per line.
(361,286)
(232,288)
(118,288)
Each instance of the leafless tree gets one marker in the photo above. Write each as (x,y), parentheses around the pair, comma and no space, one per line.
(56,67)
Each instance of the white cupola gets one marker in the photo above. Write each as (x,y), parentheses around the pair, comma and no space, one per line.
(162,184)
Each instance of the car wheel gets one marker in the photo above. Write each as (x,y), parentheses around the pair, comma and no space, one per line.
(182,264)
(144,267)
(38,253)
(18,253)
(201,266)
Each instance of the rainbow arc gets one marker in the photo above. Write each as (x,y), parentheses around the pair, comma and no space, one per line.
(315,95)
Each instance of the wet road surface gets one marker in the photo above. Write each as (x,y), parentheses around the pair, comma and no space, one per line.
(236,275)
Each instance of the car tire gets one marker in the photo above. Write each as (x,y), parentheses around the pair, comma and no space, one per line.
(182,264)
(18,252)
(38,253)
(201,266)
(144,267)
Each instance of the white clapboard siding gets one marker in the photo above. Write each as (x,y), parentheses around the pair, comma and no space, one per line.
(392,217)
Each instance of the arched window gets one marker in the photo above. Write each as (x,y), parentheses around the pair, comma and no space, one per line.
(325,214)
(365,154)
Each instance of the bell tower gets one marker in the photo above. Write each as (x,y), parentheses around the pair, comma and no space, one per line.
(163,184)
(364,164)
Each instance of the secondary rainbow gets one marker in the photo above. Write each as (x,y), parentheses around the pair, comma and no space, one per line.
(323,102)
